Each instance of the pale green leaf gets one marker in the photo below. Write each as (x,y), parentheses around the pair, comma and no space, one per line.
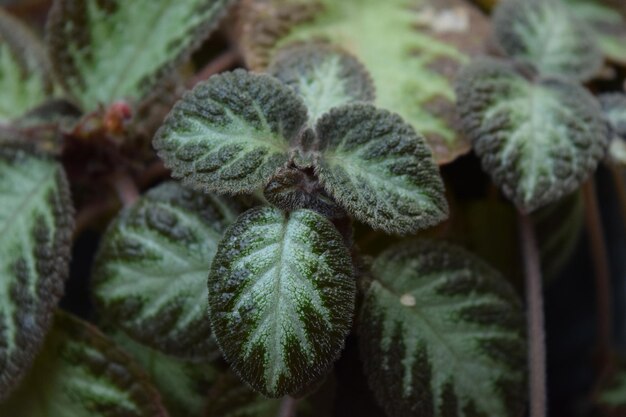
(81,373)
(104,51)
(281,298)
(36,222)
(380,170)
(231,133)
(539,140)
(441,334)
(150,273)
(547,36)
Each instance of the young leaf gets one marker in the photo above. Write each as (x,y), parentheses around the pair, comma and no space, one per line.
(323,76)
(544,34)
(231,133)
(151,270)
(104,51)
(380,170)
(441,334)
(36,222)
(81,373)
(539,140)
(412,49)
(281,298)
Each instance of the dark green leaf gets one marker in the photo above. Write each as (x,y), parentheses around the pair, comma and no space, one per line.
(36,222)
(281,298)
(612,396)
(441,334)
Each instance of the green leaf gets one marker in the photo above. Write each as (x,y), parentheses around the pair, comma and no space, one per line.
(539,140)
(36,222)
(614,109)
(441,334)
(546,35)
(412,48)
(281,298)
(323,76)
(231,133)
(81,373)
(150,273)
(104,51)
(612,396)
(229,397)
(380,170)
(24,69)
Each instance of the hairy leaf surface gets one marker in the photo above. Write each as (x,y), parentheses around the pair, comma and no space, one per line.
(538,140)
(281,298)
(36,222)
(380,170)
(441,334)
(111,50)
(150,273)
(614,109)
(81,373)
(231,133)
(546,35)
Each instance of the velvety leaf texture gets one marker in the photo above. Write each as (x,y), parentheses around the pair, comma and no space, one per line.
(151,270)
(107,50)
(231,133)
(281,298)
(441,334)
(323,76)
(380,170)
(546,35)
(614,109)
(538,140)
(81,373)
(36,222)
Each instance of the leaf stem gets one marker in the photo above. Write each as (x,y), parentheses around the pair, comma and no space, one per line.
(535,319)
(221,63)
(126,188)
(288,407)
(620,189)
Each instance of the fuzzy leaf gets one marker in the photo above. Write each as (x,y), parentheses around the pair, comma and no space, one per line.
(81,373)
(231,133)
(441,334)
(36,222)
(324,77)
(538,140)
(104,51)
(614,109)
(380,170)
(412,48)
(547,36)
(281,298)
(151,270)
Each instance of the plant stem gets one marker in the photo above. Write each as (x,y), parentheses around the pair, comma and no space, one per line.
(535,319)
(126,188)
(288,407)
(221,63)
(620,189)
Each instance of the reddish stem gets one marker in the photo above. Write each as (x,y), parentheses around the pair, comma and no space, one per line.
(221,63)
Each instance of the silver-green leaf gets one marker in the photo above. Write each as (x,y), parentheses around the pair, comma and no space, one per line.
(150,273)
(614,110)
(546,35)
(231,133)
(442,334)
(538,139)
(36,222)
(380,170)
(281,298)
(103,51)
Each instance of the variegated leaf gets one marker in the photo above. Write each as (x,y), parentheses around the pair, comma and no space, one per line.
(614,109)
(539,140)
(441,334)
(104,51)
(281,298)
(36,222)
(380,170)
(151,271)
(81,373)
(231,133)
(547,36)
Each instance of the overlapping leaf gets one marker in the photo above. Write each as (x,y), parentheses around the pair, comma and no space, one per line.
(539,140)
(150,274)
(441,334)
(281,298)
(81,373)
(111,50)
(380,170)
(36,221)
